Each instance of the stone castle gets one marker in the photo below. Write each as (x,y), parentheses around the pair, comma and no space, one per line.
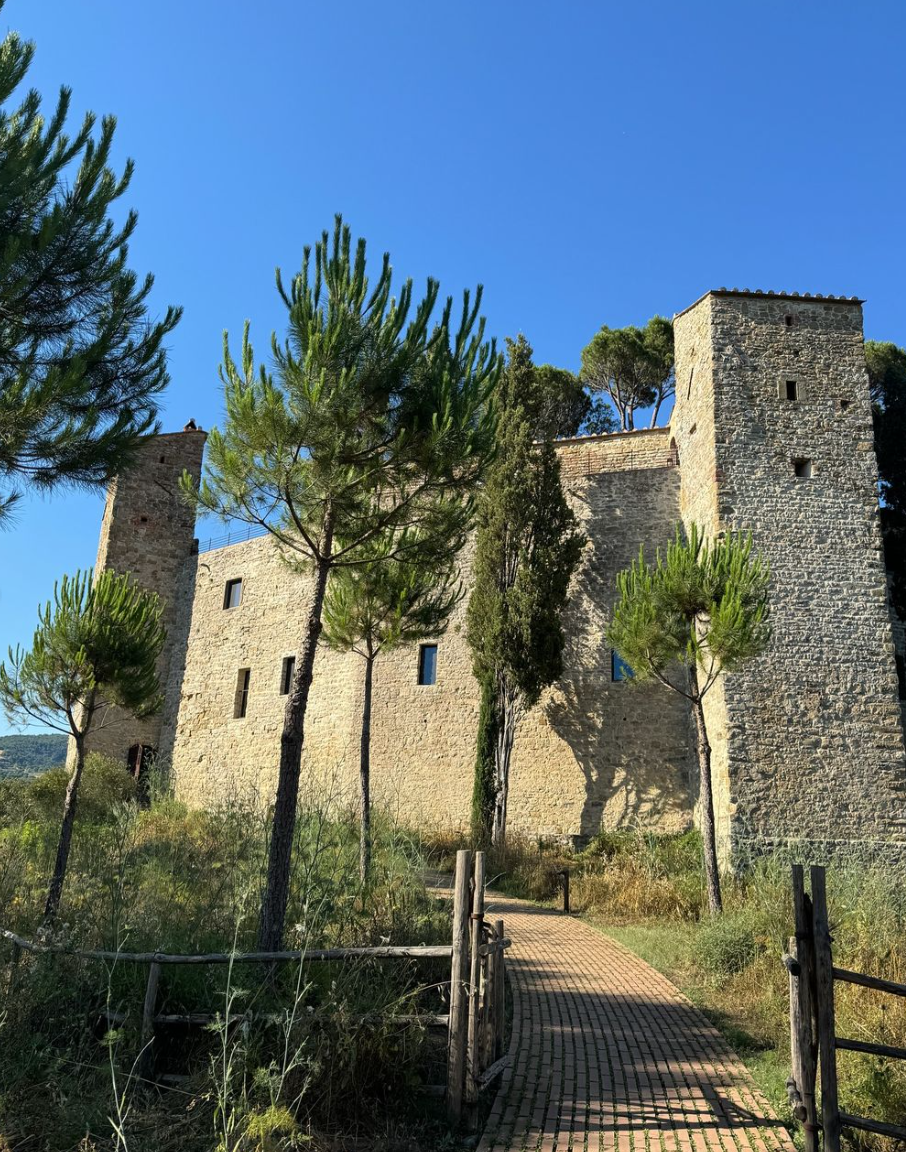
(771,431)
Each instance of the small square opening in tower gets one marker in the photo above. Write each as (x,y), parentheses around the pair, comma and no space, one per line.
(789,320)
(792,389)
(286,674)
(427,664)
(232,596)
(803,468)
(241,702)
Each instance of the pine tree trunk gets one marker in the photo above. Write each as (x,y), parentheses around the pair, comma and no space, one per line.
(292,740)
(365,773)
(706,799)
(503,752)
(55,889)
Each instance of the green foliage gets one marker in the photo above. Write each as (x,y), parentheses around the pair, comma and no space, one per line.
(105,785)
(482,812)
(727,945)
(560,405)
(187,881)
(703,603)
(632,367)
(81,366)
(383,602)
(374,417)
(96,645)
(527,547)
(886,365)
(25,755)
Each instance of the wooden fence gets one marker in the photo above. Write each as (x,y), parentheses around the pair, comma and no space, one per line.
(475,1022)
(813,1036)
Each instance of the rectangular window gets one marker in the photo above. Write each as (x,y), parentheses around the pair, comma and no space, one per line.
(427,664)
(241,704)
(232,596)
(803,469)
(286,674)
(792,390)
(619,669)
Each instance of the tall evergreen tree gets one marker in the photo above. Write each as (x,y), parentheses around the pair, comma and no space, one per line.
(701,610)
(632,367)
(886,363)
(96,647)
(374,418)
(81,365)
(378,605)
(527,548)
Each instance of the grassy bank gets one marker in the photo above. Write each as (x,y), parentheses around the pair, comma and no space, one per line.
(648,893)
(294,1061)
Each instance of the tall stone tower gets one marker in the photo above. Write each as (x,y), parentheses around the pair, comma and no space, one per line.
(773,428)
(148,531)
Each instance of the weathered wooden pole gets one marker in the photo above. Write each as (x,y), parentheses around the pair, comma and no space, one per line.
(565,875)
(827,1039)
(146,1035)
(459,967)
(473,1054)
(802,1015)
(499,993)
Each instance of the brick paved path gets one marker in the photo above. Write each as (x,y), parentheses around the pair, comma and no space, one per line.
(608,1055)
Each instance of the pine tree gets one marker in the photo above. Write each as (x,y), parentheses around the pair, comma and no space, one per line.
(378,605)
(632,367)
(373,419)
(81,365)
(96,646)
(527,548)
(701,610)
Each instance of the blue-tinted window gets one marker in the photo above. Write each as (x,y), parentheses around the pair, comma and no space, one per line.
(619,669)
(427,664)
(232,596)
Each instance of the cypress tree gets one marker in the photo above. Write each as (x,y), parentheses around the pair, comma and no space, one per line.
(527,548)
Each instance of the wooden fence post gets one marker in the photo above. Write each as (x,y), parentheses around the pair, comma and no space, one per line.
(803,1044)
(565,875)
(146,1035)
(827,1039)
(488,994)
(473,1055)
(459,966)
(499,994)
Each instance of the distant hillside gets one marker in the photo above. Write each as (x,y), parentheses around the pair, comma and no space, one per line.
(24,755)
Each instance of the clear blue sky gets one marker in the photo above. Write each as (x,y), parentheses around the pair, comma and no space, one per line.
(588,162)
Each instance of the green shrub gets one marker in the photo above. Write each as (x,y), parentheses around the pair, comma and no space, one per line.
(727,945)
(105,784)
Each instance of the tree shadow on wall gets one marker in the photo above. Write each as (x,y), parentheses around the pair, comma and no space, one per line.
(633,788)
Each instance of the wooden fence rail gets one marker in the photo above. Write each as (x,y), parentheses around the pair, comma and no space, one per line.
(813,1036)
(477,955)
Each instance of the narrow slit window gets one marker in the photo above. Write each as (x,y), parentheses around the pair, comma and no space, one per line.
(803,469)
(241,705)
(232,596)
(792,389)
(427,664)
(789,321)
(619,669)
(286,674)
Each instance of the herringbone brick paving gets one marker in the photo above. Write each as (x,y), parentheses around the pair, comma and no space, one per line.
(608,1056)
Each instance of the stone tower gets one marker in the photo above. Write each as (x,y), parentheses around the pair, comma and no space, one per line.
(773,428)
(148,531)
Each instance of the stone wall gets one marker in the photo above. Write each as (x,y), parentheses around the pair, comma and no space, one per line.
(148,530)
(592,754)
(810,735)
